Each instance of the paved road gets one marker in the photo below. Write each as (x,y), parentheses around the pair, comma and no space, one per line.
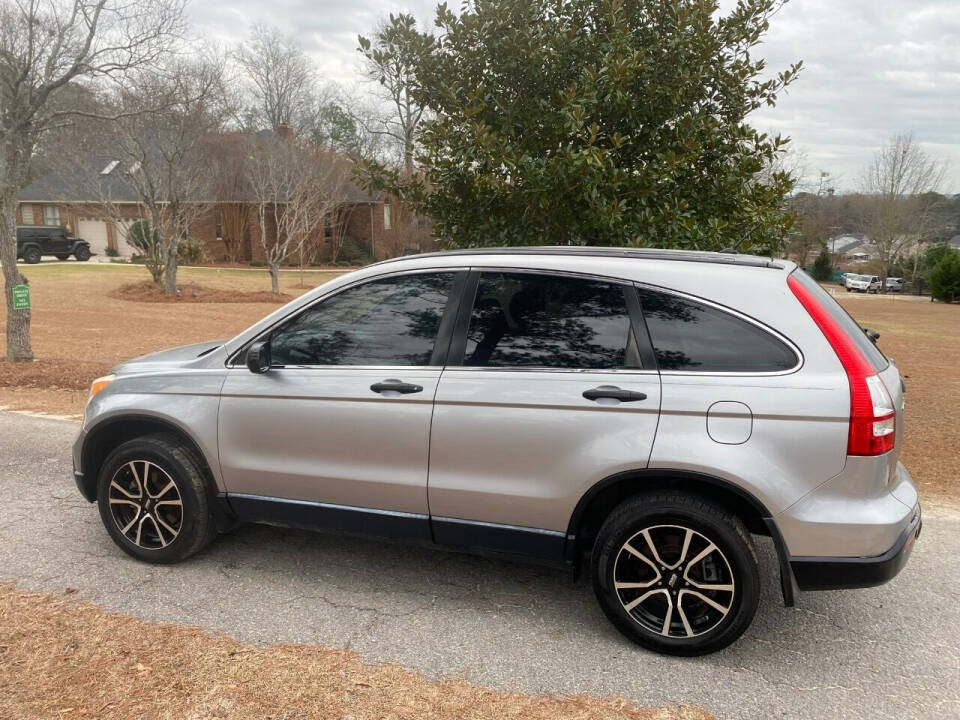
(890,652)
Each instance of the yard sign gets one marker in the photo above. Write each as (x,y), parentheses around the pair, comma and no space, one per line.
(21,297)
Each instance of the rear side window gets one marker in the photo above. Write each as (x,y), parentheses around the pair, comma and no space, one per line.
(850,326)
(549,321)
(691,336)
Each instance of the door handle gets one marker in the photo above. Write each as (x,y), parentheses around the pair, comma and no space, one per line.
(614,393)
(397,386)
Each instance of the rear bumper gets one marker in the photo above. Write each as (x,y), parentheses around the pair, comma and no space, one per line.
(823,573)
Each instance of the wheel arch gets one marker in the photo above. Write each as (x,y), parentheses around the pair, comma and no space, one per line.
(109,434)
(601,498)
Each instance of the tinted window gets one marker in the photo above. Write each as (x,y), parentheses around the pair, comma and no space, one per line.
(692,336)
(528,320)
(870,351)
(393,321)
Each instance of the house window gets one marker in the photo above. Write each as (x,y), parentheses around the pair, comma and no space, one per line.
(51,215)
(27,213)
(386,216)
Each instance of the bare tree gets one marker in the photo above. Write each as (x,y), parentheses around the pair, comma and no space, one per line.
(283,82)
(899,187)
(391,60)
(47,46)
(817,217)
(167,155)
(296,190)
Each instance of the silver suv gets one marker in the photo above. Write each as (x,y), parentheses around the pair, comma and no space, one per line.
(639,413)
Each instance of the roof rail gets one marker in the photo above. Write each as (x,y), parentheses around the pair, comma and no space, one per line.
(590,251)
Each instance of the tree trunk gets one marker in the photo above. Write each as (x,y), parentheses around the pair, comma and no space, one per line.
(170,268)
(275,278)
(18,321)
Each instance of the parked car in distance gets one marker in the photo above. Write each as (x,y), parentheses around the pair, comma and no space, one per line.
(894,284)
(35,241)
(639,414)
(862,283)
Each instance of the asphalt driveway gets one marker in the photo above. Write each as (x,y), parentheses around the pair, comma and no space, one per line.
(889,652)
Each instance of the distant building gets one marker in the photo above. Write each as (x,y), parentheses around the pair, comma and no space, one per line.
(67,199)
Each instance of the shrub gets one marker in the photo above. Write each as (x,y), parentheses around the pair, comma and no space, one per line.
(191,251)
(354,253)
(822,267)
(945,278)
(147,241)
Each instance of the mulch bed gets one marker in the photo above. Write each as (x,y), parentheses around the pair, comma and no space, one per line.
(61,658)
(52,373)
(192,293)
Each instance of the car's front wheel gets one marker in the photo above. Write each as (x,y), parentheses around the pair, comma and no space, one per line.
(152,499)
(676,573)
(82,253)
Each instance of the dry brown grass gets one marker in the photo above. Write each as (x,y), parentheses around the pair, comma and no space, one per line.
(60,658)
(81,329)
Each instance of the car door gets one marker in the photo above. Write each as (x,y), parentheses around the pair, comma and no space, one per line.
(550,388)
(57,242)
(336,432)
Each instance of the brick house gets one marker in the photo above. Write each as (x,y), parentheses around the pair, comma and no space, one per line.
(62,199)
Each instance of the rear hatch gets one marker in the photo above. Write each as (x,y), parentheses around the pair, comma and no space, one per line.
(876,389)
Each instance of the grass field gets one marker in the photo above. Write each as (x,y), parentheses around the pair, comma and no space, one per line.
(80,330)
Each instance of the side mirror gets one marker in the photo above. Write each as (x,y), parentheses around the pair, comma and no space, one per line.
(872,334)
(258,357)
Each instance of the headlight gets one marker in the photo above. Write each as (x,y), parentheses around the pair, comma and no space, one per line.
(99,384)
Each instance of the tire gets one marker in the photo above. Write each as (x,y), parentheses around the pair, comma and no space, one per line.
(82,253)
(32,255)
(848,289)
(63,257)
(693,626)
(148,525)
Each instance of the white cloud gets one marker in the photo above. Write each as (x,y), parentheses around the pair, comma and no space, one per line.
(871,67)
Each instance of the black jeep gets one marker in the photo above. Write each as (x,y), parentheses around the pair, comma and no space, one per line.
(33,242)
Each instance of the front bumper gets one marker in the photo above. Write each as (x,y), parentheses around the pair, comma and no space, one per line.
(88,492)
(824,573)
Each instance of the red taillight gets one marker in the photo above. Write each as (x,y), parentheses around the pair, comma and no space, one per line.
(872,415)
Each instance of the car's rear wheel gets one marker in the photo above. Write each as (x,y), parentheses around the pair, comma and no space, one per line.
(32,256)
(82,253)
(152,498)
(676,573)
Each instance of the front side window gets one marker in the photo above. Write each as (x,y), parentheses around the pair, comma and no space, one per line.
(51,215)
(692,336)
(530,320)
(393,321)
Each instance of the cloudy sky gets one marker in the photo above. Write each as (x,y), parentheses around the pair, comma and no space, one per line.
(871,67)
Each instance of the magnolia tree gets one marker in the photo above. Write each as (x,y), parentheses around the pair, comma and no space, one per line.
(297,190)
(595,122)
(899,198)
(47,48)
